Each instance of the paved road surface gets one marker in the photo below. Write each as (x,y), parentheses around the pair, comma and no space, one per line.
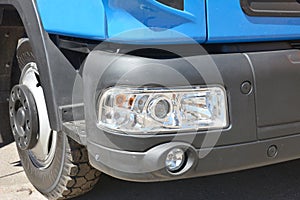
(13,183)
(277,182)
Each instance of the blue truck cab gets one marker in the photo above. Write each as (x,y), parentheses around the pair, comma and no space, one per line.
(148,90)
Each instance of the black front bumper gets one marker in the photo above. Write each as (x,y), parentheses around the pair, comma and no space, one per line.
(265,116)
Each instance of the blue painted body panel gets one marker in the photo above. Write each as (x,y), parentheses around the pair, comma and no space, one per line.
(228,23)
(148,21)
(130,21)
(73,17)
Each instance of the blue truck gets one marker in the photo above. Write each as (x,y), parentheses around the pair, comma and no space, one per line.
(148,90)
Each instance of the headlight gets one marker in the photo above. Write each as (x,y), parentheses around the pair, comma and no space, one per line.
(139,111)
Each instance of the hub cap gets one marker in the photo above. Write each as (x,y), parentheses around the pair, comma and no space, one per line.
(23,117)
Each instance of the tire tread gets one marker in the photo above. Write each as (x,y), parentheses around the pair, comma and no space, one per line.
(78,176)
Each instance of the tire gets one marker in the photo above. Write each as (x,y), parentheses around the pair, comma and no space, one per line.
(68,174)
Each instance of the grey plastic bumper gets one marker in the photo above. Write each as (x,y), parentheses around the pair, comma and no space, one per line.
(149,165)
(265,116)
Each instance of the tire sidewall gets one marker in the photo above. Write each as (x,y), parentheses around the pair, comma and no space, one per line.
(46,180)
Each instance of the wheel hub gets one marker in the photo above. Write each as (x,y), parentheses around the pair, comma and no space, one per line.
(23,117)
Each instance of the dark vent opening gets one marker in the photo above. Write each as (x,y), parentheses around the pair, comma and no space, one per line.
(177,4)
(273,8)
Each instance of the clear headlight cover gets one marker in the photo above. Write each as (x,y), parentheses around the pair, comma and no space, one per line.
(146,111)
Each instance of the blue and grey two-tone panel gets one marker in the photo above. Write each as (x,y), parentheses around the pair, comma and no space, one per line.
(173,21)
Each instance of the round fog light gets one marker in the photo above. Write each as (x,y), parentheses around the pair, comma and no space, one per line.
(175,160)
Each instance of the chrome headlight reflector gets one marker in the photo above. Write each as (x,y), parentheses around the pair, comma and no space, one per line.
(153,110)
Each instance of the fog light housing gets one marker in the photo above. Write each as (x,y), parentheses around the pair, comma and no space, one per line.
(160,110)
(175,160)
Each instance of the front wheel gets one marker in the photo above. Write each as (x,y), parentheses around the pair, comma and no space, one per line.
(55,164)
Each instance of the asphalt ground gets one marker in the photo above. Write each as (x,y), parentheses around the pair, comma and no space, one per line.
(276,182)
(13,182)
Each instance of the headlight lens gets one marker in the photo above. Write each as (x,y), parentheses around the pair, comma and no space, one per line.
(142,111)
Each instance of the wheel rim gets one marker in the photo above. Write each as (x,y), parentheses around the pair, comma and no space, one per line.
(43,152)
